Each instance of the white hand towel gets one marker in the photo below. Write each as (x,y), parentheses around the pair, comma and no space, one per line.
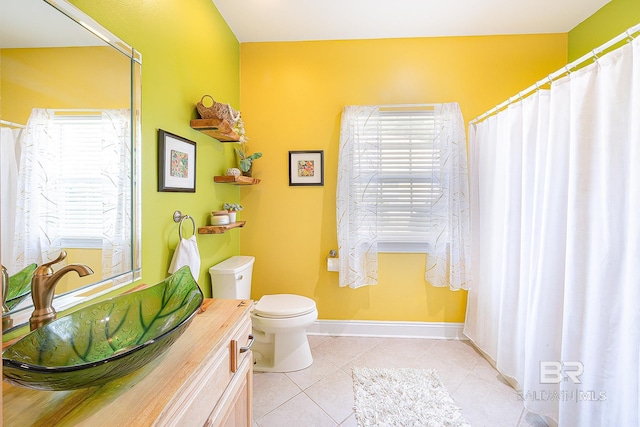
(186,254)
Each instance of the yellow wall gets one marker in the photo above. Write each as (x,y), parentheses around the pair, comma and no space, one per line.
(73,77)
(187,51)
(291,98)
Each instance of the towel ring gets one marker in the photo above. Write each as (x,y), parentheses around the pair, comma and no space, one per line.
(178,217)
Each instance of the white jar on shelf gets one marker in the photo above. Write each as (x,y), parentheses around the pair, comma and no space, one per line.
(220,218)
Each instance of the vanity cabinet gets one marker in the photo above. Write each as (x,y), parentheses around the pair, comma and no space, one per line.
(204,379)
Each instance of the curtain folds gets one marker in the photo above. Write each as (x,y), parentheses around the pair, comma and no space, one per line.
(116,191)
(38,235)
(448,258)
(358,198)
(355,216)
(556,244)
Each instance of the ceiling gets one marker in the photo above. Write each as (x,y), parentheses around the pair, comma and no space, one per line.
(293,20)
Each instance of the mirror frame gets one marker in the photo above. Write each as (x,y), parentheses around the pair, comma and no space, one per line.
(79,296)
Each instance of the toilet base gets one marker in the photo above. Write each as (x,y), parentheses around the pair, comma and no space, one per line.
(282,352)
(281,344)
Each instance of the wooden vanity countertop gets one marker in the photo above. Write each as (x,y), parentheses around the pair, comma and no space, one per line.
(138,398)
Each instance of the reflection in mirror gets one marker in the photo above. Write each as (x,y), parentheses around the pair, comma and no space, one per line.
(69,115)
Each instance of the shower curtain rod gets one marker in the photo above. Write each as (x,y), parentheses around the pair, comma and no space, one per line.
(628,35)
(12,124)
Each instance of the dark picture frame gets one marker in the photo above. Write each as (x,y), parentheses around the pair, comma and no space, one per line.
(306,168)
(176,163)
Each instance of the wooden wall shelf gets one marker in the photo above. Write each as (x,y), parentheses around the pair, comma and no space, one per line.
(219,229)
(215,128)
(237,180)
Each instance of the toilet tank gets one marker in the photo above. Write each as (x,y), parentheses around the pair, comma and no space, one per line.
(231,278)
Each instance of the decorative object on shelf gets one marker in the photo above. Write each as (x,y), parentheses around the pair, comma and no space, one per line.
(233,209)
(217,110)
(176,163)
(306,168)
(233,172)
(217,120)
(245,160)
(220,218)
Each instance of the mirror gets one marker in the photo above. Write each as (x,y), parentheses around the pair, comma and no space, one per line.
(70,124)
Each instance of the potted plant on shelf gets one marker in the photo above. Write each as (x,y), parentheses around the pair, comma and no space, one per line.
(233,209)
(245,160)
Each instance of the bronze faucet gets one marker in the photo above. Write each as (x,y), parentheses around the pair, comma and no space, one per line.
(43,285)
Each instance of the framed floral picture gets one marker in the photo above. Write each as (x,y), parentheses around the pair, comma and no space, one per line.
(306,168)
(176,163)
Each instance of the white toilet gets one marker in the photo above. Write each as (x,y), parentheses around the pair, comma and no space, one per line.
(279,321)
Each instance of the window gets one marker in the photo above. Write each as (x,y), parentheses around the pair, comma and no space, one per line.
(80,179)
(403,187)
(74,186)
(406,184)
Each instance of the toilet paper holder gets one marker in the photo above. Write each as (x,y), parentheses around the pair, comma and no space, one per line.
(333,262)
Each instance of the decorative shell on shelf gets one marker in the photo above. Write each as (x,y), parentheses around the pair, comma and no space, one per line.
(233,172)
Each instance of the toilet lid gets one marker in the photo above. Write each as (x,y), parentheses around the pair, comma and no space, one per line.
(284,305)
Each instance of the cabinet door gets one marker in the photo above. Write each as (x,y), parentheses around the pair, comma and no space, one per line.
(209,388)
(235,410)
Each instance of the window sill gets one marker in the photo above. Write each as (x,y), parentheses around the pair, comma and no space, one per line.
(403,247)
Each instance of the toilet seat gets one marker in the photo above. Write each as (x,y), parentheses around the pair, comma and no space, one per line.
(282,306)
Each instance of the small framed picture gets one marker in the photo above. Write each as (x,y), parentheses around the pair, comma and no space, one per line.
(176,163)
(306,167)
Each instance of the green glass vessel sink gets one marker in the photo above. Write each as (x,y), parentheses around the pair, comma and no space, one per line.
(19,286)
(105,340)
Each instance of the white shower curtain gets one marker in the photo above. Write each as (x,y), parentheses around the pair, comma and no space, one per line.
(555,182)
(9,167)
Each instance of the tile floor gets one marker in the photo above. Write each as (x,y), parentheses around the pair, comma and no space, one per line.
(322,395)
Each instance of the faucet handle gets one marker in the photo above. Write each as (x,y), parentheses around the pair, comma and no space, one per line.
(45,268)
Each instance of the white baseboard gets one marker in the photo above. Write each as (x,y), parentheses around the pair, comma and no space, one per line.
(372,328)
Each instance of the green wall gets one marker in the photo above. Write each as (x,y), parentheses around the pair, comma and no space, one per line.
(187,51)
(613,19)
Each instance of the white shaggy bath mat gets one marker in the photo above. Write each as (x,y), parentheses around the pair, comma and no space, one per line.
(403,397)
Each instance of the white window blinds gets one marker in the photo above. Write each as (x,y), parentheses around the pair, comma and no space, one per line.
(406,184)
(80,179)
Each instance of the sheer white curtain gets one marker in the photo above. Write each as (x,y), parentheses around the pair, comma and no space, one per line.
(449,256)
(39,236)
(360,194)
(556,244)
(116,190)
(357,217)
